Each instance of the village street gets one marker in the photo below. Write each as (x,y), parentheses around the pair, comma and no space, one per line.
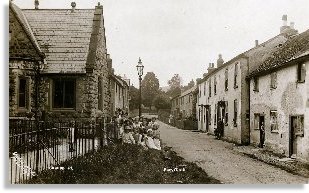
(220,161)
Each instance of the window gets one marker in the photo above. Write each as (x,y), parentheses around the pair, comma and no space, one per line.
(215,113)
(209,114)
(235,75)
(204,88)
(215,85)
(273,80)
(298,125)
(64,93)
(255,84)
(235,113)
(256,121)
(209,87)
(273,121)
(23,93)
(100,97)
(200,91)
(226,113)
(226,80)
(301,73)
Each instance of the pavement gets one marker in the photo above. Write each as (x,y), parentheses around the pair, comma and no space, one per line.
(219,159)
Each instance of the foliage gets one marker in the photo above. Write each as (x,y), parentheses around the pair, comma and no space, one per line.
(150,88)
(134,94)
(162,101)
(175,86)
(125,164)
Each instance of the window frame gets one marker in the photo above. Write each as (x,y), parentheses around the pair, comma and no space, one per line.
(273,80)
(235,112)
(53,93)
(236,75)
(300,68)
(26,94)
(256,84)
(226,79)
(276,123)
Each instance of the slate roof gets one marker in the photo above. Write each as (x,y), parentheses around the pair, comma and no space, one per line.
(256,55)
(64,37)
(296,47)
(25,25)
(188,91)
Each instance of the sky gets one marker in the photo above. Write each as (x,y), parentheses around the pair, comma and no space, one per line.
(184,36)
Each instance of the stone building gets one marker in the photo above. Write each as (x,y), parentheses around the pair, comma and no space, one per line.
(186,102)
(25,58)
(70,46)
(279,100)
(119,94)
(224,91)
(175,106)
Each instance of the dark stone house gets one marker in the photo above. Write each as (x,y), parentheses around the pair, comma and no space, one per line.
(67,49)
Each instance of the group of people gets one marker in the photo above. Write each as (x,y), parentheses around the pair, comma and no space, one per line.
(141,131)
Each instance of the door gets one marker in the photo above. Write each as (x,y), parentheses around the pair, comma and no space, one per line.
(292,137)
(262,130)
(207,119)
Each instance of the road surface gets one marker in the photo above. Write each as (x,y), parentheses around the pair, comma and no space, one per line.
(220,161)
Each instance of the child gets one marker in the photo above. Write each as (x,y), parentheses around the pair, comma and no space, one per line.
(127,135)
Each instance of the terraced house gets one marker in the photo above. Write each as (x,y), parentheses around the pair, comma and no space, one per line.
(279,100)
(66,49)
(224,91)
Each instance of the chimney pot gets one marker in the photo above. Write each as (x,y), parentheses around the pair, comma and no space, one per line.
(256,43)
(73,4)
(36,4)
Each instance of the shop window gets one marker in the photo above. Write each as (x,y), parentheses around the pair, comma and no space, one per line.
(274,121)
(64,93)
(301,73)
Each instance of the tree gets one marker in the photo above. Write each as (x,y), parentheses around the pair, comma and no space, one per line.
(134,95)
(150,87)
(162,101)
(175,86)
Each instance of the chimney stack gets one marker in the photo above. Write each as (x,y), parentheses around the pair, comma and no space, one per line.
(256,43)
(36,4)
(284,20)
(220,61)
(73,4)
(292,25)
(284,26)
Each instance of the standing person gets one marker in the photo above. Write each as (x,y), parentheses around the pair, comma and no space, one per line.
(262,133)
(219,129)
(127,136)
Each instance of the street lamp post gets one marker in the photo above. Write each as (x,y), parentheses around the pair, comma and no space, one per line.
(140,69)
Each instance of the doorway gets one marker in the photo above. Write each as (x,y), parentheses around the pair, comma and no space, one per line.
(296,129)
(262,130)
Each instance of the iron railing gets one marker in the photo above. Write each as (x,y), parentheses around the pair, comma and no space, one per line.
(35,146)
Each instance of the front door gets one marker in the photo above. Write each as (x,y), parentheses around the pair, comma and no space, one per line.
(262,130)
(292,137)
(207,119)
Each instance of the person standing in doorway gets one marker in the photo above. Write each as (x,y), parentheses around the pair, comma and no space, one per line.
(262,134)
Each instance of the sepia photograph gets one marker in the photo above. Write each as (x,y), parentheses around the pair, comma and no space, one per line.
(157,92)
